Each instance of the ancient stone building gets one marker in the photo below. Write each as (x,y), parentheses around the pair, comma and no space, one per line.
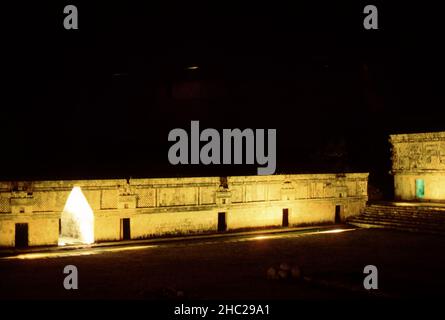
(418,166)
(85,211)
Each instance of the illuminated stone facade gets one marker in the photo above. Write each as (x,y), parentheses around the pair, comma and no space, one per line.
(174,206)
(418,166)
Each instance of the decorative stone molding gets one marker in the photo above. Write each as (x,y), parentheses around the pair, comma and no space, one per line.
(418,152)
(21,203)
(342,191)
(287,191)
(223,196)
(127,201)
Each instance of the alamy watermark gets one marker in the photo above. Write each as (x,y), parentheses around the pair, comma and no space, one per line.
(71,19)
(371,20)
(185,151)
(71,281)
(371,280)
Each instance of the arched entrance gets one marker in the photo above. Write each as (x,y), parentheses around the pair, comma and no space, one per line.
(77,220)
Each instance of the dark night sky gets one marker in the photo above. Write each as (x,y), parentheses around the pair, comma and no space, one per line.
(100,101)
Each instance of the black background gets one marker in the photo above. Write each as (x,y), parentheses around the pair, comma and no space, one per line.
(98,102)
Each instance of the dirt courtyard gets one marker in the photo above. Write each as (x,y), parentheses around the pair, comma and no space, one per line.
(409,266)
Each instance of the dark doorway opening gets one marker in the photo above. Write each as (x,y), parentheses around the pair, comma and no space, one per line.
(285,222)
(222,224)
(125,229)
(338,214)
(21,235)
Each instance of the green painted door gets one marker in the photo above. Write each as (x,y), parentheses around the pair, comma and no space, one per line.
(420,188)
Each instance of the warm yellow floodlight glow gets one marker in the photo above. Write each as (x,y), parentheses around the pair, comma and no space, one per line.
(261,237)
(192,67)
(74,253)
(336,230)
(78,218)
(47,255)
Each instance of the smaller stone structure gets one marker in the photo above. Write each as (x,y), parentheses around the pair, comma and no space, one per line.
(418,166)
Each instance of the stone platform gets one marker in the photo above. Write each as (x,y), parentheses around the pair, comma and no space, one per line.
(426,217)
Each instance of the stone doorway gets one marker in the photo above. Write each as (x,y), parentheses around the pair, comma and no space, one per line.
(338,210)
(285,220)
(125,229)
(222,223)
(77,220)
(21,235)
(420,188)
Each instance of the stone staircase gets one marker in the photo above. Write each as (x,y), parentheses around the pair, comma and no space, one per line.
(415,218)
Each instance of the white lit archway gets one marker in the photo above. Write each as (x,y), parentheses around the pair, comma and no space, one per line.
(77,220)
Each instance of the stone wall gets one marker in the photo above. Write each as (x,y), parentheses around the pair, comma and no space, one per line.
(170,206)
(418,156)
